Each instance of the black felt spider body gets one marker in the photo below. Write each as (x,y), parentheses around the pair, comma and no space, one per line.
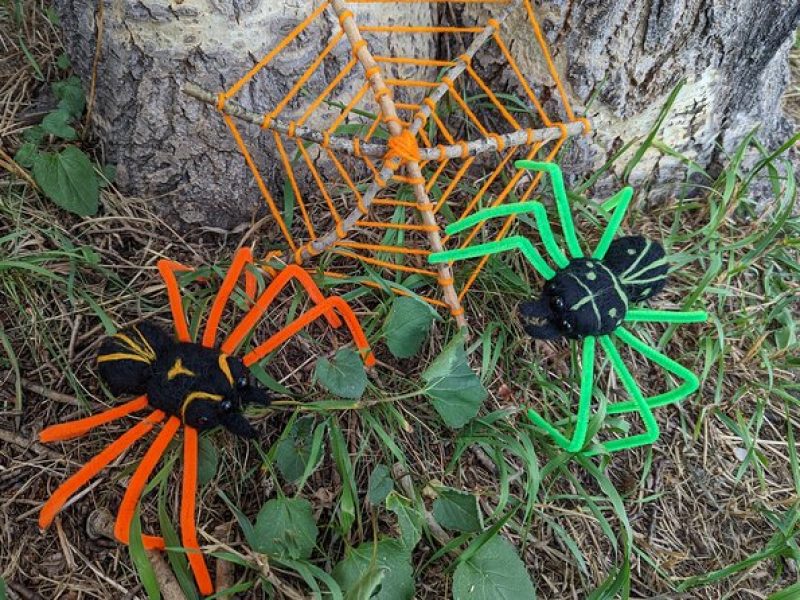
(590,297)
(201,386)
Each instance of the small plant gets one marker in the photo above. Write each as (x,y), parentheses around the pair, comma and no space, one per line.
(63,172)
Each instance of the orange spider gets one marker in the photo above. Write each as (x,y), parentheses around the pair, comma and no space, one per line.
(187,383)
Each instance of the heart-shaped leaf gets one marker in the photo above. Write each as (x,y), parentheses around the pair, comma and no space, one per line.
(285,528)
(373,571)
(343,375)
(494,572)
(407,326)
(457,510)
(68,179)
(456,391)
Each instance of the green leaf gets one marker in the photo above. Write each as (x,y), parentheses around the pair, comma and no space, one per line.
(285,528)
(407,325)
(409,519)
(207,460)
(348,500)
(57,124)
(380,484)
(139,559)
(34,134)
(3,589)
(70,94)
(68,179)
(27,154)
(457,510)
(494,572)
(378,571)
(109,174)
(63,62)
(456,391)
(294,450)
(343,375)
(790,593)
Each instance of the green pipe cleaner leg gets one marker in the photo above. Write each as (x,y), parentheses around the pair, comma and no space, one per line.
(651,427)
(584,404)
(562,203)
(516,242)
(690,380)
(652,315)
(503,210)
(621,200)
(546,233)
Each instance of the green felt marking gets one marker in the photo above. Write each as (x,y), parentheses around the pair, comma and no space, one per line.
(615,282)
(626,273)
(590,296)
(612,313)
(591,276)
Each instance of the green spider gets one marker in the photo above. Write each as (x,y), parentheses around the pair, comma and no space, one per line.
(588,299)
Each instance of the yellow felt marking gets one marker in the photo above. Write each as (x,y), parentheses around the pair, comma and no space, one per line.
(145,343)
(192,396)
(179,369)
(121,356)
(137,348)
(225,367)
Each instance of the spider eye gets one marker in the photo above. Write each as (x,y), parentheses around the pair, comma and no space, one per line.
(226,406)
(566,325)
(242,383)
(558,302)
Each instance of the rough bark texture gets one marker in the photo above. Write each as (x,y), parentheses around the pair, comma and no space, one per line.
(629,54)
(172,147)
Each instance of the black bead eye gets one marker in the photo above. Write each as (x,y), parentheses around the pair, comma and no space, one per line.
(226,406)
(557,302)
(566,325)
(202,421)
(242,383)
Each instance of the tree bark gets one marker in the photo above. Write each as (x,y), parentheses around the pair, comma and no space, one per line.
(623,58)
(625,55)
(173,148)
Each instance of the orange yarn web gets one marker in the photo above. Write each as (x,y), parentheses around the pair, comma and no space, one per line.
(370,172)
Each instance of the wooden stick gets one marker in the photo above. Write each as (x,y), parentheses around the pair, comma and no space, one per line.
(522,137)
(101,524)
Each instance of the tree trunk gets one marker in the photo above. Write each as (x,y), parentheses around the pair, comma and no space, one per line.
(628,55)
(170,146)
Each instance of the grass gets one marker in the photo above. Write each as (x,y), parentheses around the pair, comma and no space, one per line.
(710,511)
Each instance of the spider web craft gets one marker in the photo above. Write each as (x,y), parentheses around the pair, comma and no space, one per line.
(417,143)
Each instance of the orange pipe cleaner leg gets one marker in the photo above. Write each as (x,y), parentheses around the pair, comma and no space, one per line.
(188,527)
(273,289)
(94,466)
(137,483)
(72,429)
(305,319)
(241,259)
(167,269)
(250,284)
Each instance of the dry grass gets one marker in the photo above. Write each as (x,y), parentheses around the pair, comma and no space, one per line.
(718,487)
